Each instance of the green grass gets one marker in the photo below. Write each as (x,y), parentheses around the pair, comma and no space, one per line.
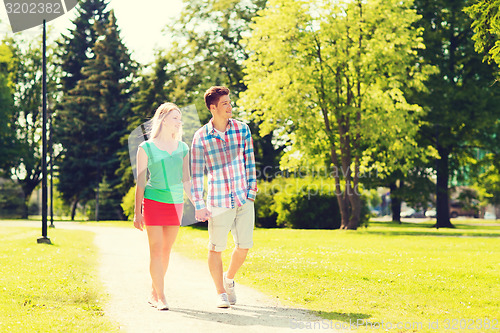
(391,273)
(52,288)
(408,273)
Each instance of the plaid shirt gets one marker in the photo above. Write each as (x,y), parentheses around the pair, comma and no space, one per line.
(230,163)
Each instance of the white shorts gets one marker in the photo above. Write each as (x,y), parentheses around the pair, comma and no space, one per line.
(240,221)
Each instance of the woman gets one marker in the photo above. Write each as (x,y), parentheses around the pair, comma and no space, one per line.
(159,199)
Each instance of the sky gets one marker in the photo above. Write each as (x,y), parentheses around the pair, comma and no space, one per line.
(141,24)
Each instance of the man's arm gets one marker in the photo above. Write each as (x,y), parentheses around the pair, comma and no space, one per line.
(250,166)
(198,168)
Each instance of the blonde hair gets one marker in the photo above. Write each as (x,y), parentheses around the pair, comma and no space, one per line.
(157,122)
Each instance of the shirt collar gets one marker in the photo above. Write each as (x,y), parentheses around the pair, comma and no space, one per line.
(211,128)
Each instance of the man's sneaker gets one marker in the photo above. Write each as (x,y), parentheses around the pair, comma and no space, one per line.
(231,294)
(222,301)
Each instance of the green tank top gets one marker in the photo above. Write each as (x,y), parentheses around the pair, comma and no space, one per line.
(165,173)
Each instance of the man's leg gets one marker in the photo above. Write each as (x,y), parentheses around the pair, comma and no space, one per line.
(218,229)
(215,266)
(237,259)
(242,231)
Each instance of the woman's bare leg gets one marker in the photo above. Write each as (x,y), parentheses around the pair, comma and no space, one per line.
(155,238)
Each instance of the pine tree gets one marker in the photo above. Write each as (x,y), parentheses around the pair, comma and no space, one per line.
(102,99)
(77,46)
(151,92)
(71,117)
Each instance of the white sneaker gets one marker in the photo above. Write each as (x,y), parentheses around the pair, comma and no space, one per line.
(222,301)
(231,294)
(162,305)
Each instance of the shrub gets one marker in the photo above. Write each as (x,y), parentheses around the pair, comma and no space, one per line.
(11,199)
(265,214)
(128,204)
(307,203)
(302,203)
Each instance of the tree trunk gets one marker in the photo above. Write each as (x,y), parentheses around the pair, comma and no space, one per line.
(25,212)
(355,201)
(73,209)
(442,200)
(28,185)
(344,210)
(395,202)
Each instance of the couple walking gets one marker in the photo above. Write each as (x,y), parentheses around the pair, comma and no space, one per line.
(224,148)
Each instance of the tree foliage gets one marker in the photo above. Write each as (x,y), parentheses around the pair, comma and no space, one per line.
(332,73)
(27,119)
(93,118)
(461,100)
(486,26)
(8,142)
(76,48)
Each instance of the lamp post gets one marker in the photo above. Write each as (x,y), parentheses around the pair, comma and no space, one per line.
(51,159)
(44,239)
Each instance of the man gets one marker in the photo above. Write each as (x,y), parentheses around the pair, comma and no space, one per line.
(224,147)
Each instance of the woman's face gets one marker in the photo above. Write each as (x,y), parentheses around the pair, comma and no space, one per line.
(173,121)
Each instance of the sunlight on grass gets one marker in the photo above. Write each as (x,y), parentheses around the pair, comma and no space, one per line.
(374,274)
(50,287)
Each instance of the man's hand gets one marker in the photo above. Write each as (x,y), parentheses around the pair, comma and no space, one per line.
(202,215)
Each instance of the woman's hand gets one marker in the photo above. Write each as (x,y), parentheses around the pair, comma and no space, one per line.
(139,221)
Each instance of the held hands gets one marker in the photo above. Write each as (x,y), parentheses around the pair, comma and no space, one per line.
(202,215)
(139,221)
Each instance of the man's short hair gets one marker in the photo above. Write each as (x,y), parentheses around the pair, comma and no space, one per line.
(213,94)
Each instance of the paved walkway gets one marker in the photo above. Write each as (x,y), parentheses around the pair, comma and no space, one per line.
(124,262)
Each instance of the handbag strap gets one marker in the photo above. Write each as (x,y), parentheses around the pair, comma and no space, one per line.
(164,173)
(162,165)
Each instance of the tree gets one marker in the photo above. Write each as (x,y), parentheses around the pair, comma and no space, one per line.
(75,49)
(27,78)
(486,26)
(213,31)
(209,52)
(461,101)
(331,74)
(8,142)
(102,100)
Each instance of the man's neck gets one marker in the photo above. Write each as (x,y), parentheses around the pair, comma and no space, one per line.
(220,124)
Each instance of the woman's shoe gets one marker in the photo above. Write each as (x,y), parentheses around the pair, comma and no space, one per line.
(162,305)
(152,302)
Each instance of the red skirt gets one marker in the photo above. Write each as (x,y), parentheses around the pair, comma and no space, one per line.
(160,213)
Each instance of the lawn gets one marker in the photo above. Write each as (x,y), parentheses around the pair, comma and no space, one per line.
(52,288)
(408,274)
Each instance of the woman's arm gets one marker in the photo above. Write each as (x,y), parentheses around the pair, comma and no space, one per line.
(142,168)
(186,178)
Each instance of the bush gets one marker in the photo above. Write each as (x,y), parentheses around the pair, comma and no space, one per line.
(306,203)
(128,204)
(109,204)
(11,199)
(302,203)
(265,214)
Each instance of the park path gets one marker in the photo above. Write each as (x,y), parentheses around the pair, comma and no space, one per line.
(124,260)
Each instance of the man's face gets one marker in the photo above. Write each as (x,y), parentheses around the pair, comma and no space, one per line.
(224,109)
